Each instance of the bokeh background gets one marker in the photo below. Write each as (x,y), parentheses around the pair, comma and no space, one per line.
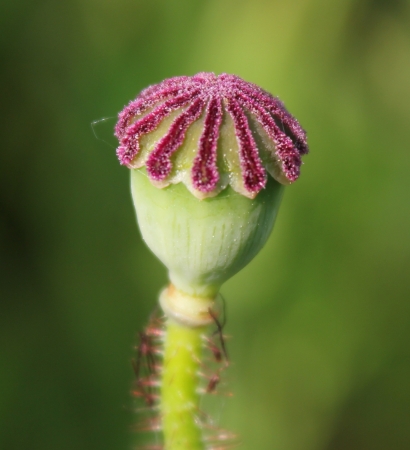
(320,320)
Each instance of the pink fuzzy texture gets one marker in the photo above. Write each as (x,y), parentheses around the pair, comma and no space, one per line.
(159,163)
(254,175)
(204,171)
(206,93)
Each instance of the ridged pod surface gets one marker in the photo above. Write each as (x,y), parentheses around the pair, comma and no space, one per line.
(209,132)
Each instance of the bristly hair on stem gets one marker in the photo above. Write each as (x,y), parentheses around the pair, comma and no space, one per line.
(211,360)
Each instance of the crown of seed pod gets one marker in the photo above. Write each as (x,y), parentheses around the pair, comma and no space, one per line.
(220,137)
(268,138)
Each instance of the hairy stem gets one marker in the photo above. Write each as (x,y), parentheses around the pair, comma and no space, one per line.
(179,388)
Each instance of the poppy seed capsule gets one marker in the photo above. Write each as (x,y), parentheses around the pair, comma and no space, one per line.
(209,157)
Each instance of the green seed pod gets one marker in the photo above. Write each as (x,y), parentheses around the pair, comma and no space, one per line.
(203,242)
(209,157)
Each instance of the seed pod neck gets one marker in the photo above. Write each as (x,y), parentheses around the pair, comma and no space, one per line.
(185,309)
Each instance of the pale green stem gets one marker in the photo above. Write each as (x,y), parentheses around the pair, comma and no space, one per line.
(179,387)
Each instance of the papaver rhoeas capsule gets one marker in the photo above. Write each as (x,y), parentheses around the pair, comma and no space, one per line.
(209,157)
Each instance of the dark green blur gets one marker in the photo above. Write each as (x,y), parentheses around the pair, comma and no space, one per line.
(320,320)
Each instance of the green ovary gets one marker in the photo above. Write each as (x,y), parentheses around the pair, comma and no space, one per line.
(203,242)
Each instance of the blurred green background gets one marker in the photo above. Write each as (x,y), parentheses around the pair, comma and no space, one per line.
(320,320)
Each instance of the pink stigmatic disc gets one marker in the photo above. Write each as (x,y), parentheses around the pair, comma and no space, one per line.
(210,98)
